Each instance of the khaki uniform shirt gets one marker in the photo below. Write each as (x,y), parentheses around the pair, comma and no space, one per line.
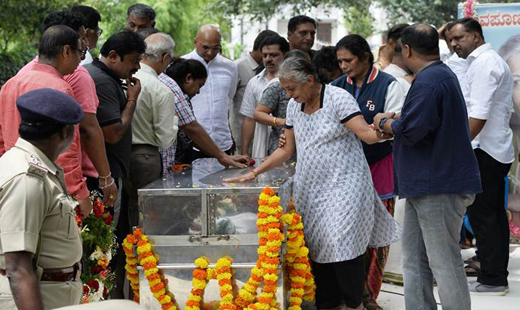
(34,204)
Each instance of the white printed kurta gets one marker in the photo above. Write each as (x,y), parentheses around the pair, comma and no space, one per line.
(333,189)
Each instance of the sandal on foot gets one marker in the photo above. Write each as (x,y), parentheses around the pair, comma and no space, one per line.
(472,270)
(472,260)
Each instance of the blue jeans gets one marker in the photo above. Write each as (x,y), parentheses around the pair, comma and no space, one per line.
(430,248)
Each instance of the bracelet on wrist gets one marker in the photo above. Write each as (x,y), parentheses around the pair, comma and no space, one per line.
(254,172)
(106,177)
(105,181)
(107,185)
(274,122)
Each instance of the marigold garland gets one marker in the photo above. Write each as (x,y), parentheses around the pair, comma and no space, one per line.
(201,276)
(270,225)
(145,256)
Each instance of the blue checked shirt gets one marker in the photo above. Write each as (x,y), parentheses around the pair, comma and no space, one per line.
(184,110)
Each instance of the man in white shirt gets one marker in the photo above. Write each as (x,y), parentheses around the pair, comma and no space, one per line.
(273,48)
(212,104)
(154,124)
(489,102)
(247,68)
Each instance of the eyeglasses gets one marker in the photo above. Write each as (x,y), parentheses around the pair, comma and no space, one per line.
(98,32)
(81,52)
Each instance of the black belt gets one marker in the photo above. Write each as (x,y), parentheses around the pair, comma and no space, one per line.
(146,147)
(58,274)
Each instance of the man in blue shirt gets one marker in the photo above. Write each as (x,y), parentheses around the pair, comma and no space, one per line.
(436,171)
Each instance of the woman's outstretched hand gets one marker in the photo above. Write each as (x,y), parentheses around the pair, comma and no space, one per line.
(242,178)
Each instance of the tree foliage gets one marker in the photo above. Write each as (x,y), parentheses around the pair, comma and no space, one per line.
(263,10)
(358,20)
(20,24)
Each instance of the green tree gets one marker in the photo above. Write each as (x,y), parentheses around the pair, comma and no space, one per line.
(178,18)
(20,24)
(358,20)
(263,10)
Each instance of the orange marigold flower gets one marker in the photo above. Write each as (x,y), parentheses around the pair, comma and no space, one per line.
(157,287)
(268,191)
(138,232)
(167,306)
(199,274)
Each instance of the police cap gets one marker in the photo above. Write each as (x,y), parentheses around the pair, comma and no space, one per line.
(43,106)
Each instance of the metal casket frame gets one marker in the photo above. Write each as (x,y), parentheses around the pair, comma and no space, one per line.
(193,213)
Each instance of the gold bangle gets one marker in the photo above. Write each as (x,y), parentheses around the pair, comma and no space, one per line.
(274,121)
(254,172)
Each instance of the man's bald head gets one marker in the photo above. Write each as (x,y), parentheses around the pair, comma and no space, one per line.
(208,42)
(421,38)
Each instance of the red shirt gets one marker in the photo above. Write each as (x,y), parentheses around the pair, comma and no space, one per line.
(36,76)
(85,94)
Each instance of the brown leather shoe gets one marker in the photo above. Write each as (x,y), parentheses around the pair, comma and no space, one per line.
(372,305)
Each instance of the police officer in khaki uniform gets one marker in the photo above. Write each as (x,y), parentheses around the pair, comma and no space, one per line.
(40,245)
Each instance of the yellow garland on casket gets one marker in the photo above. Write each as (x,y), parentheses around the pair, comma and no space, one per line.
(270,225)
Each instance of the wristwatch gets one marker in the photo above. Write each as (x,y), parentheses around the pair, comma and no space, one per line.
(382,123)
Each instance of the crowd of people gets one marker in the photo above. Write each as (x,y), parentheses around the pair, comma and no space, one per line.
(363,131)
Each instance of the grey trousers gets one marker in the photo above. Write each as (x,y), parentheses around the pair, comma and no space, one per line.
(145,167)
(431,232)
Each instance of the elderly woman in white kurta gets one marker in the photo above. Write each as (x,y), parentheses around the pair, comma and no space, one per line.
(333,189)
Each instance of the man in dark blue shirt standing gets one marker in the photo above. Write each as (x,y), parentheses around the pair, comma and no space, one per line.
(436,171)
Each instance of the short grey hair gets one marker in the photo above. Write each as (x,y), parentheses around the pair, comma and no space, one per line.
(141,11)
(297,69)
(510,48)
(157,45)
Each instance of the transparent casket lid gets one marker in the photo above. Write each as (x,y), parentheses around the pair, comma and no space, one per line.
(196,201)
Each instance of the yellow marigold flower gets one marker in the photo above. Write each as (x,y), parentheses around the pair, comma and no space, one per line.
(298,291)
(199,285)
(226,287)
(303,252)
(210,273)
(227,298)
(264,197)
(271,277)
(269,266)
(222,276)
(150,271)
(262,306)
(154,282)
(202,263)
(149,259)
(144,249)
(300,266)
(298,279)
(195,298)
(159,293)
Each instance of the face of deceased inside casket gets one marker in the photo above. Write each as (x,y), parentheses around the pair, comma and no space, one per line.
(300,92)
